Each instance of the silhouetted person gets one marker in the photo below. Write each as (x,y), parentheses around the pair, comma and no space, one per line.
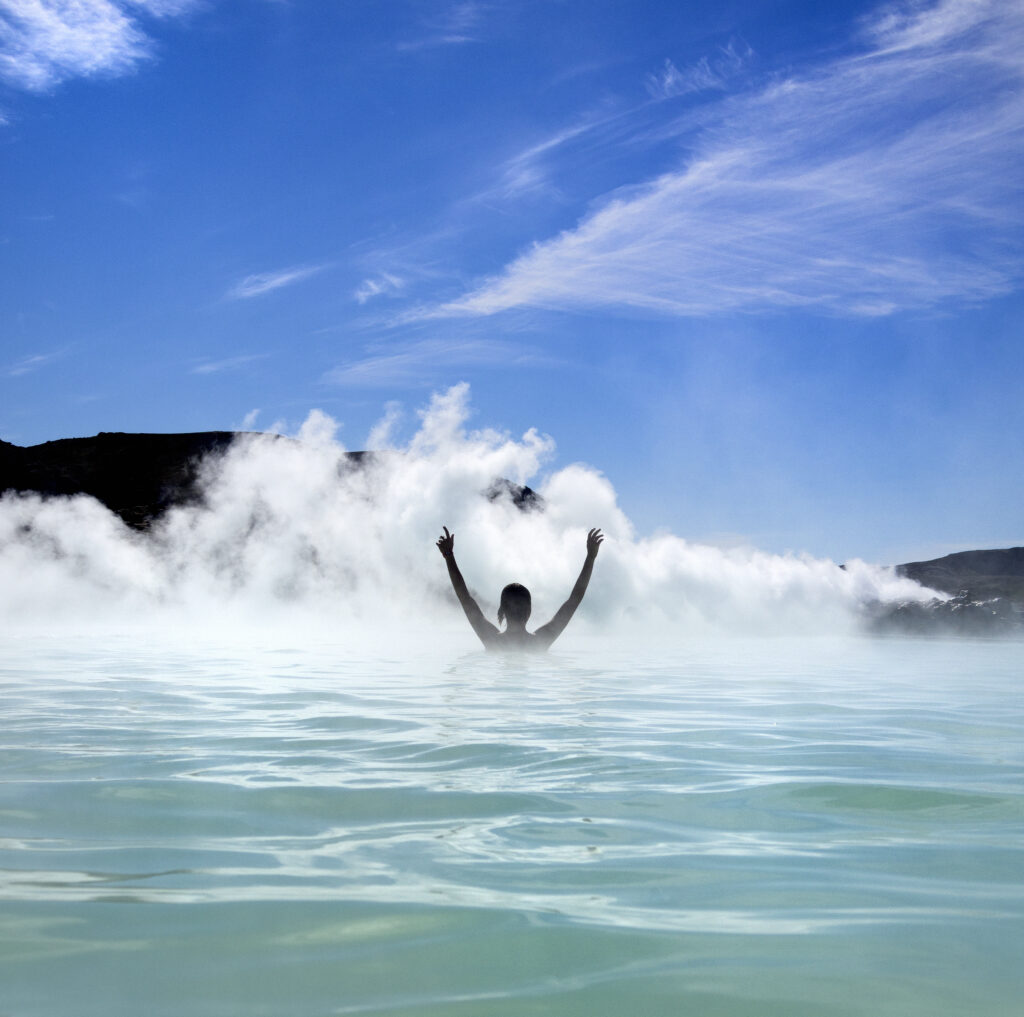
(514,609)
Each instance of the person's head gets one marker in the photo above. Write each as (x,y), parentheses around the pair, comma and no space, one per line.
(515,605)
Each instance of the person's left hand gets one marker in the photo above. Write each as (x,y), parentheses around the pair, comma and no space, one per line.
(446,544)
(594,538)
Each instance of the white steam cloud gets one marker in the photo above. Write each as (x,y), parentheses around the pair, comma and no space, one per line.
(291,532)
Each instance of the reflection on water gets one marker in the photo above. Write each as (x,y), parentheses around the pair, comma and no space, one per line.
(758,828)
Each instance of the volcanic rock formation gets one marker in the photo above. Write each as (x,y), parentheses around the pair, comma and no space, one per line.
(140,476)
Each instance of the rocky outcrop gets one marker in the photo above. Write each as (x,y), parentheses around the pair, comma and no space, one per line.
(980,574)
(960,616)
(139,476)
(986,596)
(525,498)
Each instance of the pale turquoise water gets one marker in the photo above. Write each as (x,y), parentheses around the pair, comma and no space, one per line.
(742,829)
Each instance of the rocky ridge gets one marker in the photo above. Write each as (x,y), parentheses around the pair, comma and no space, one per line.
(986,595)
(140,476)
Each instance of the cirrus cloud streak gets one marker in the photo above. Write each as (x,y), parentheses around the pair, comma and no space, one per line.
(883,180)
(265,282)
(416,364)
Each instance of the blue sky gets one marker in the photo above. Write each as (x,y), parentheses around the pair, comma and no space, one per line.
(760,262)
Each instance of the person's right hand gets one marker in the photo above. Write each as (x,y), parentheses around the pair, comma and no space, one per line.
(594,538)
(446,544)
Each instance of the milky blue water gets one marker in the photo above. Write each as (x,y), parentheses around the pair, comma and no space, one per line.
(733,828)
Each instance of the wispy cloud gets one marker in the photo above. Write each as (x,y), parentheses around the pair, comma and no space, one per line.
(26,365)
(265,282)
(550,166)
(529,170)
(455,24)
(886,179)
(610,127)
(419,363)
(228,364)
(45,42)
(375,287)
(707,73)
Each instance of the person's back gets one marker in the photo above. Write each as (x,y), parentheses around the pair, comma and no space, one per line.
(518,641)
(516,604)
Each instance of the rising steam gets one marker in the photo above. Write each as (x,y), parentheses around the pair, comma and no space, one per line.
(292,532)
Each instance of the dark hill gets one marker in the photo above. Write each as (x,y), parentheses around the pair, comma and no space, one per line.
(140,476)
(987,595)
(137,476)
(981,574)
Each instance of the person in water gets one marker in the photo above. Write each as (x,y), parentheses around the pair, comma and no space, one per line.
(514,609)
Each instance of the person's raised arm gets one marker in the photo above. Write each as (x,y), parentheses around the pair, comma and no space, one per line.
(553,629)
(487,632)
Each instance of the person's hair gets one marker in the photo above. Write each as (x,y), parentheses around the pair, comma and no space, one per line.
(515,603)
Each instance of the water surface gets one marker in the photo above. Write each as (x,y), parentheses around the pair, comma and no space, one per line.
(742,828)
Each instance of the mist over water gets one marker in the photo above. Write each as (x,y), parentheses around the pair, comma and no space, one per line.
(291,532)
